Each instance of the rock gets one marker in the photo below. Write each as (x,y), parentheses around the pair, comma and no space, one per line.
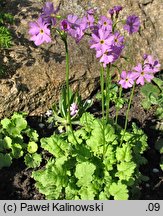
(36,74)
(155,170)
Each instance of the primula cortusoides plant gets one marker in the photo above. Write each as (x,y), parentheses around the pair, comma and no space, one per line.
(99,160)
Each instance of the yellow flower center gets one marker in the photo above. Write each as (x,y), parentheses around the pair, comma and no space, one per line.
(101,41)
(41,31)
(52,15)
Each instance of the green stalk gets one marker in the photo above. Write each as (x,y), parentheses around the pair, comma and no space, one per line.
(69,124)
(128,109)
(103,105)
(117,109)
(108,83)
(102,93)
(67,83)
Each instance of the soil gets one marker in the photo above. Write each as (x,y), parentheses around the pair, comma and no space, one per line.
(16,182)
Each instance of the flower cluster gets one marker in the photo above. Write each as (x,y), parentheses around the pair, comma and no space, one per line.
(107,44)
(76,27)
(73,109)
(141,73)
(105,39)
(39,30)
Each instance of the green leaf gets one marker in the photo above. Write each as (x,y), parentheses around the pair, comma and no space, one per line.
(8,142)
(5,160)
(159,82)
(87,120)
(32,147)
(119,191)
(5,122)
(96,140)
(32,160)
(124,153)
(139,139)
(87,192)
(71,192)
(19,121)
(55,145)
(110,136)
(125,170)
(17,151)
(5,143)
(103,196)
(51,180)
(32,134)
(84,172)
(109,159)
(149,88)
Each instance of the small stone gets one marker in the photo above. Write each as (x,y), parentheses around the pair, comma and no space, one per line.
(155,170)
(41,125)
(5,59)
(88,101)
(49,113)
(147,185)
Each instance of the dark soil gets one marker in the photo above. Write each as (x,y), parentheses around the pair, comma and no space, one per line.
(16,182)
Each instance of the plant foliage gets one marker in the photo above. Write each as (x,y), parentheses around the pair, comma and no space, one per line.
(17,139)
(96,167)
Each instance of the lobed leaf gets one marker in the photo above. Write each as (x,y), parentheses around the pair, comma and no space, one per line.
(119,191)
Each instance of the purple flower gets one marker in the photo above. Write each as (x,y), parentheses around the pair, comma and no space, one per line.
(145,56)
(111,12)
(106,58)
(39,32)
(48,13)
(91,11)
(87,22)
(118,39)
(117,8)
(64,25)
(102,41)
(76,27)
(132,24)
(151,64)
(73,109)
(109,56)
(105,23)
(73,20)
(126,79)
(142,74)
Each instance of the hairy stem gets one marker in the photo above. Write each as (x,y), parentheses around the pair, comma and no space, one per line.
(117,108)
(69,124)
(128,109)
(108,83)
(103,106)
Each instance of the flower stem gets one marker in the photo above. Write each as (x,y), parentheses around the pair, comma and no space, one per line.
(69,124)
(67,83)
(102,93)
(117,108)
(128,109)
(103,106)
(108,83)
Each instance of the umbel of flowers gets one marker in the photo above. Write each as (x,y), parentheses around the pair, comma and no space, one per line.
(105,39)
(108,43)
